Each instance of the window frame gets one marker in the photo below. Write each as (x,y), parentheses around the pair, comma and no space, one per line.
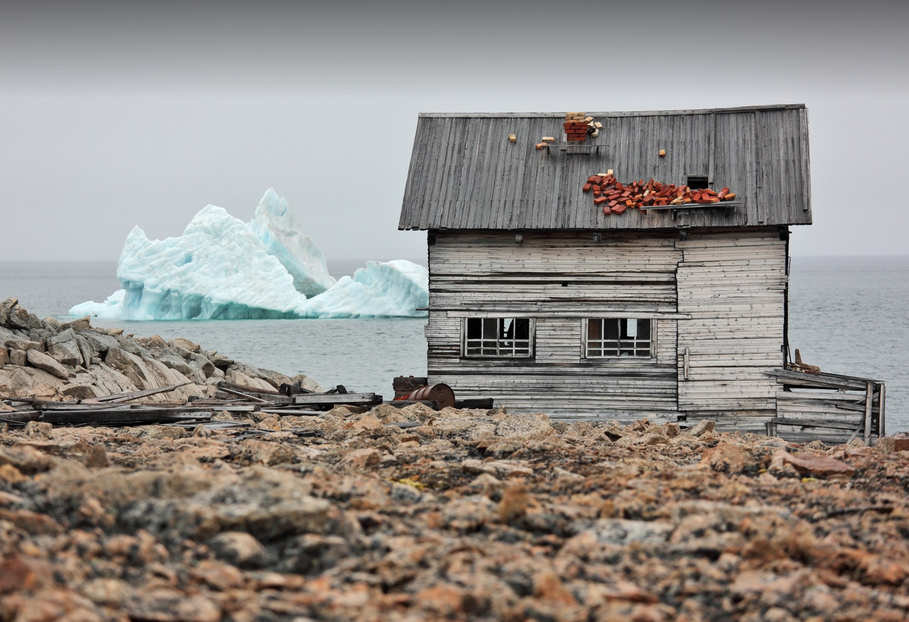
(531,340)
(585,341)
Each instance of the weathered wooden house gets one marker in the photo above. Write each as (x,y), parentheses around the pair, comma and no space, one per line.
(542,301)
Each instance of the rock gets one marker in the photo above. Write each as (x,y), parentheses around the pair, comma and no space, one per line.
(170,605)
(39,429)
(811,464)
(130,366)
(108,592)
(10,474)
(702,428)
(67,353)
(186,344)
(240,549)
(41,361)
(307,383)
(85,349)
(99,342)
(727,458)
(4,357)
(62,337)
(621,532)
(80,391)
(891,444)
(362,459)
(500,468)
(25,459)
(18,357)
(22,573)
(218,575)
(24,344)
(79,325)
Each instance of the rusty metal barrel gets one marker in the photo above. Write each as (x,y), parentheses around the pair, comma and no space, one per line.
(440,393)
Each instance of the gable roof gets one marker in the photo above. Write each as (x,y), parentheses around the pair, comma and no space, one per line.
(466,174)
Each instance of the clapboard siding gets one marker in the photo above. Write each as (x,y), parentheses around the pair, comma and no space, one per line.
(465,174)
(732,285)
(558,280)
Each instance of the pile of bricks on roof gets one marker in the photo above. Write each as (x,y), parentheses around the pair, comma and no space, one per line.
(616,197)
(578,125)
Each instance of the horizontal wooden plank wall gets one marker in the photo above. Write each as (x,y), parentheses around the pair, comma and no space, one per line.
(558,279)
(733,286)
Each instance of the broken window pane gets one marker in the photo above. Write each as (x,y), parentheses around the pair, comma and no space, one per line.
(618,337)
(594,330)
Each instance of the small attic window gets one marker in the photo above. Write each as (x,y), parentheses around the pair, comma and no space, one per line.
(697,182)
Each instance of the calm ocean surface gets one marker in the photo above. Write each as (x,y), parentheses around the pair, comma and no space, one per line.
(849,315)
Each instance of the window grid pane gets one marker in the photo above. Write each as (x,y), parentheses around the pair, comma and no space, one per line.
(618,337)
(498,337)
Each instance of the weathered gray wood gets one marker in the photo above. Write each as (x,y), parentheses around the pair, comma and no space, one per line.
(135,395)
(122,416)
(291,412)
(465,174)
(330,399)
(820,381)
(869,398)
(882,414)
(245,396)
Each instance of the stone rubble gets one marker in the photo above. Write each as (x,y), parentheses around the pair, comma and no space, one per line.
(63,361)
(470,515)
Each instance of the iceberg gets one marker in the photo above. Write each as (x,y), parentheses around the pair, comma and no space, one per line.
(223,268)
(284,240)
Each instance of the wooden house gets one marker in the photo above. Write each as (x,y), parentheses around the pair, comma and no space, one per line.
(545,303)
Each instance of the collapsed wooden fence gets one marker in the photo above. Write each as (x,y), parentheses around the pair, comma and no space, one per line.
(828,407)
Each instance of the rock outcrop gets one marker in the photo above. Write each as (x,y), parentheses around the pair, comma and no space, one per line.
(65,361)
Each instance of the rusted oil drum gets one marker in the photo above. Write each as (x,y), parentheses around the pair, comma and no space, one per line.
(440,393)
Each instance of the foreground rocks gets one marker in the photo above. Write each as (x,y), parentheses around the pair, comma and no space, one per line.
(412,514)
(61,361)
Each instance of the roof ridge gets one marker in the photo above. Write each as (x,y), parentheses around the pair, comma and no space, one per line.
(627,113)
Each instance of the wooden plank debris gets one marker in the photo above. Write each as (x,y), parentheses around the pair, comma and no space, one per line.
(335,399)
(135,395)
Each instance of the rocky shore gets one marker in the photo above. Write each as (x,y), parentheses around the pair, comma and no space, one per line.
(49,359)
(413,514)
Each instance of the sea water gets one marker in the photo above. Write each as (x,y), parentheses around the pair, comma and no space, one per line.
(848,315)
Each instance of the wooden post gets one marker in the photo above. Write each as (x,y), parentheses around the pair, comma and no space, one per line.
(881,427)
(869,400)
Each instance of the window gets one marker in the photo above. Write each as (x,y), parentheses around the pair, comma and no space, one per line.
(697,182)
(504,337)
(618,337)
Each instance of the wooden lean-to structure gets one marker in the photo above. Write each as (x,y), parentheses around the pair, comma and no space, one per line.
(614,264)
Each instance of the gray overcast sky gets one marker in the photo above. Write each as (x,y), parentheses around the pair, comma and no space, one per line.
(118,114)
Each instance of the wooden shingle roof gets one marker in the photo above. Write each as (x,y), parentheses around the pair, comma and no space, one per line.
(466,174)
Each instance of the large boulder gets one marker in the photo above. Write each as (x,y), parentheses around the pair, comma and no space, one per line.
(21,343)
(130,366)
(42,361)
(18,357)
(61,337)
(100,342)
(66,352)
